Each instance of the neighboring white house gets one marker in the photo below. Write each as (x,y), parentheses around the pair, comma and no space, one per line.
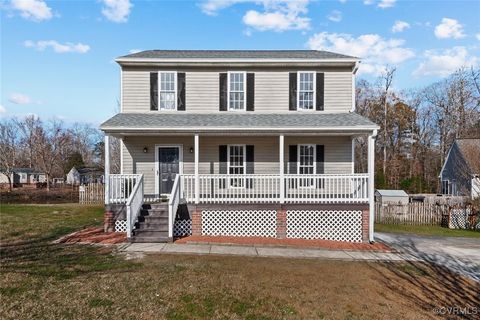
(391,196)
(460,174)
(256,143)
(77,176)
(24,176)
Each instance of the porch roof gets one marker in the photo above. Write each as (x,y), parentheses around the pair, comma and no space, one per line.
(154,122)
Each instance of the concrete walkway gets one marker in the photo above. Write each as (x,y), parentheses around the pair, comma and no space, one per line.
(459,254)
(263,251)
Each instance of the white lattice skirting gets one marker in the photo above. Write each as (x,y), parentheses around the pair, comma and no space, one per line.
(341,225)
(182,228)
(121,226)
(239,223)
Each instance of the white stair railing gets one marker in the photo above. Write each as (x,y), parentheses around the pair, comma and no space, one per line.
(173,203)
(134,205)
(121,186)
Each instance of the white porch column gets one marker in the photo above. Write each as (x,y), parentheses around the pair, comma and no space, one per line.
(197,181)
(371,179)
(282,167)
(106,175)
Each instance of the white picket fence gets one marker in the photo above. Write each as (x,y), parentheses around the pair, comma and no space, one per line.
(93,193)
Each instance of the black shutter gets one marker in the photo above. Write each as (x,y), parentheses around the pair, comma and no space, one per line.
(250,159)
(292,105)
(292,159)
(223,91)
(320,163)
(181,91)
(320,91)
(153,91)
(222,163)
(250,91)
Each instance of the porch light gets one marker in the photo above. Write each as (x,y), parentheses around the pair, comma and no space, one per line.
(191,149)
(145,150)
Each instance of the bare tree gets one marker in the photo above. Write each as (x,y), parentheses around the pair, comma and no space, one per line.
(9,144)
(50,142)
(387,79)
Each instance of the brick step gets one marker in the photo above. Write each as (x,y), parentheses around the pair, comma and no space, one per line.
(147,239)
(151,233)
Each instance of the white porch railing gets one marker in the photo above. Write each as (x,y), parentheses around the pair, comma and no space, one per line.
(134,205)
(173,203)
(249,188)
(120,187)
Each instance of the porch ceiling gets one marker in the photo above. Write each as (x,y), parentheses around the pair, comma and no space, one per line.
(295,122)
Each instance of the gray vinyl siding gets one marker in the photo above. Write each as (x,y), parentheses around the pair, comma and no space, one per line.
(202,90)
(455,172)
(338,157)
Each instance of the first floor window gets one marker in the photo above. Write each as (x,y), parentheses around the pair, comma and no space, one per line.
(306,85)
(236,90)
(306,163)
(446,187)
(236,164)
(167,92)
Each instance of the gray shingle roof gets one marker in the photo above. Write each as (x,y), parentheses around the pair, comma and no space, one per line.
(237,54)
(229,121)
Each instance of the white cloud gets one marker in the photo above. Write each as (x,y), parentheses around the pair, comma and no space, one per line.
(335,16)
(375,51)
(131,51)
(3,111)
(399,26)
(442,63)
(478,36)
(449,28)
(57,47)
(116,10)
(35,10)
(277,15)
(342,1)
(384,4)
(368,2)
(19,98)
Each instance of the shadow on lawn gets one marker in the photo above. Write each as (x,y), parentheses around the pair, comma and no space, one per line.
(431,286)
(41,257)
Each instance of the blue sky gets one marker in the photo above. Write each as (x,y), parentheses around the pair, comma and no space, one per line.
(57,56)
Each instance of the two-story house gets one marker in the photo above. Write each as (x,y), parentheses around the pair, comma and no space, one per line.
(241,143)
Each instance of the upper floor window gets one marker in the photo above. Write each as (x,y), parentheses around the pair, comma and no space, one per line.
(236,91)
(168,90)
(306,91)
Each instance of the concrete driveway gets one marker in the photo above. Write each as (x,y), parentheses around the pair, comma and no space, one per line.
(461,255)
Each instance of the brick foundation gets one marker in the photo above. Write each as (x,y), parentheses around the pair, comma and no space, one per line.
(281,224)
(108,221)
(365,225)
(197,223)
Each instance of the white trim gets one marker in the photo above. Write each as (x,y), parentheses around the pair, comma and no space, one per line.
(197,160)
(353,92)
(157,173)
(121,89)
(353,155)
(314,156)
(106,174)
(244,91)
(175,84)
(121,156)
(244,146)
(314,107)
(233,60)
(281,143)
(243,129)
(371,186)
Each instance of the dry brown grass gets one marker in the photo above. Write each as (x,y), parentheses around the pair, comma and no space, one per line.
(40,280)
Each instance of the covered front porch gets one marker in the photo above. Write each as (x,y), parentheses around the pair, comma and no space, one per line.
(214,170)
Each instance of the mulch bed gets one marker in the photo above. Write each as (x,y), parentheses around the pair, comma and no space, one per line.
(94,235)
(303,243)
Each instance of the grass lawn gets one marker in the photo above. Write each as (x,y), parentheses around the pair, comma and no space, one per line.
(426,230)
(41,280)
